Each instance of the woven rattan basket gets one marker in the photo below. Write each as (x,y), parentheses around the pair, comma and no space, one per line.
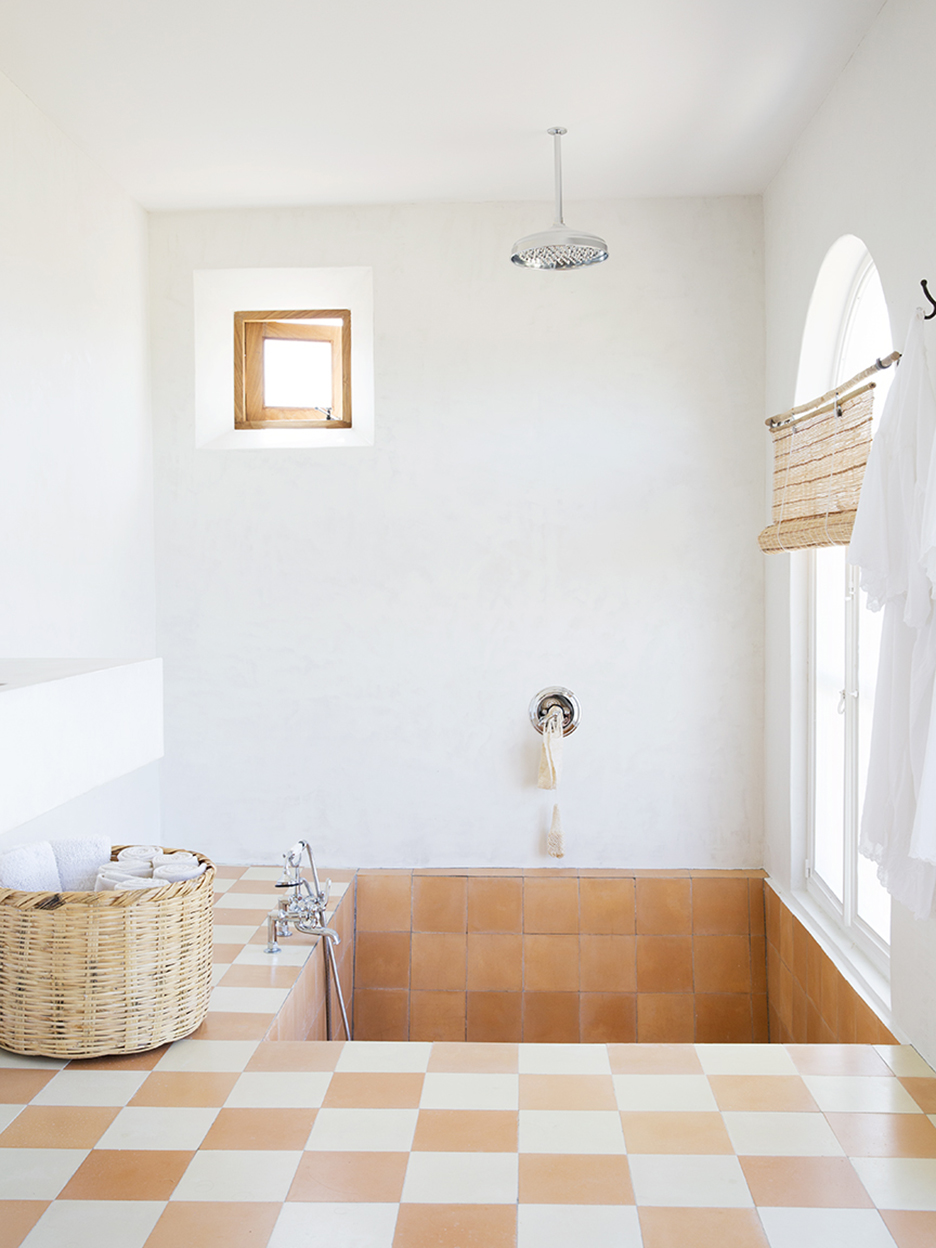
(87,974)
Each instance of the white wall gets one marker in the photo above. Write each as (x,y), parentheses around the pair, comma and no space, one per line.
(565,489)
(76,527)
(864,166)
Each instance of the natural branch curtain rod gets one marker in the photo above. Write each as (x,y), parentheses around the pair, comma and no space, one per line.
(788,418)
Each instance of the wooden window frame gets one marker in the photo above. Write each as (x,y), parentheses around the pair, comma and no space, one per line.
(251,329)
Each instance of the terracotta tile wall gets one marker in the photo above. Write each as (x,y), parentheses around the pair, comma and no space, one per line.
(560,956)
(811,1002)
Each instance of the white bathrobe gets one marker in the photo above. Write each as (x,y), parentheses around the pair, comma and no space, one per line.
(898,822)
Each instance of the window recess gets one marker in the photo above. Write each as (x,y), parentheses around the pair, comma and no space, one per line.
(292,370)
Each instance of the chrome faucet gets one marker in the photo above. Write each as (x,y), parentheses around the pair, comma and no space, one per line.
(303,908)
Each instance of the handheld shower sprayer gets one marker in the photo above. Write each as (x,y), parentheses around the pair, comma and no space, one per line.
(303,908)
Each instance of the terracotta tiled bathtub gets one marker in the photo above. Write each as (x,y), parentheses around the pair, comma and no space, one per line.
(561,956)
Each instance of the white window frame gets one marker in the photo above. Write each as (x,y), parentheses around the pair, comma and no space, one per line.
(844,913)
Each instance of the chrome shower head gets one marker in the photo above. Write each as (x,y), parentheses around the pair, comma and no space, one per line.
(559,247)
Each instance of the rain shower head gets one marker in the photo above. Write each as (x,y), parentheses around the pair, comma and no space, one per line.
(559,247)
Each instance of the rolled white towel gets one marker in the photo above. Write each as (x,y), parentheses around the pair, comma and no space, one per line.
(181,858)
(126,886)
(139,853)
(78,861)
(176,874)
(108,877)
(30,868)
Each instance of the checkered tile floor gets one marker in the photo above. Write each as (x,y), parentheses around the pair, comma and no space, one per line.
(239,1143)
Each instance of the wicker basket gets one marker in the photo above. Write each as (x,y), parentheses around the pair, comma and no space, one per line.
(88,974)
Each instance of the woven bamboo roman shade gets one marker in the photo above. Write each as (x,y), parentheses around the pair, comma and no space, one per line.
(820,452)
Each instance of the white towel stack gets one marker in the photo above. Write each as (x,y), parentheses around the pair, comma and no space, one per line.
(78,862)
(139,853)
(175,874)
(30,868)
(134,882)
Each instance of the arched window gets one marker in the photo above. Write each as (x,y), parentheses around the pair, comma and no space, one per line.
(847,328)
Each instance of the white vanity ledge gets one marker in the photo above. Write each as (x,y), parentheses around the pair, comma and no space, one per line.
(69,725)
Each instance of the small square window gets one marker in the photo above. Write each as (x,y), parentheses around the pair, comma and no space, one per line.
(292,370)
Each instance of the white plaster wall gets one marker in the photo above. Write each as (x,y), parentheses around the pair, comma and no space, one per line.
(864,166)
(565,488)
(76,511)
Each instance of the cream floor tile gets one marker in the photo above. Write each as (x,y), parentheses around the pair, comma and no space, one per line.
(91,1087)
(898,1182)
(903,1059)
(95,1224)
(348,1225)
(254,955)
(230,903)
(218,1056)
(375,1055)
(678,1093)
(860,1094)
(248,1000)
(176,1129)
(745,1059)
(37,1173)
(460,1091)
(18,1061)
(564,1059)
(571,1131)
(825,1228)
(223,883)
(277,1090)
(461,1179)
(697,1182)
(218,971)
(562,1226)
(782,1135)
(363,1130)
(229,1174)
(232,934)
(8,1113)
(263,873)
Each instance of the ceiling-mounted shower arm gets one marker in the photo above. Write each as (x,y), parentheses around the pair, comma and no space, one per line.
(557,132)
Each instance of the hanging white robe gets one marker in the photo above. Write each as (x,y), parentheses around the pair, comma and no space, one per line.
(890,545)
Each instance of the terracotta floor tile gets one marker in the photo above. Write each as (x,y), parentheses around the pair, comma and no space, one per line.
(654,1059)
(480,1059)
(17,1218)
(296,1055)
(438,1016)
(607,906)
(219,1025)
(376,1178)
(608,1017)
(550,905)
(702,1228)
(381,1014)
(384,902)
(909,1228)
(494,1017)
(225,953)
(923,1092)
(664,906)
(225,872)
(440,904)
(665,1018)
(354,1090)
(58,1126)
(567,1092)
(495,905)
(578,1179)
(762,1092)
(837,1059)
(805,1182)
(664,964)
(267,887)
(466,1131)
(456,1226)
(233,916)
(720,907)
(550,1017)
(127,1174)
(18,1087)
(260,977)
(122,1061)
(667,1132)
(185,1089)
(215,1224)
(882,1135)
(260,1128)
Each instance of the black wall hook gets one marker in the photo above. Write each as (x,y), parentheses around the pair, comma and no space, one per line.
(929,316)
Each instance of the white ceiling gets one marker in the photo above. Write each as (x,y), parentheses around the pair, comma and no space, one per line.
(213,103)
